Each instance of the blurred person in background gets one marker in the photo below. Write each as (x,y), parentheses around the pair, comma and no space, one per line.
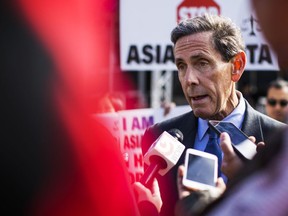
(277,100)
(56,159)
(167,107)
(109,102)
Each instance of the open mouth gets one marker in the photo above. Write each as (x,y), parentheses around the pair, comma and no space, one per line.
(197,98)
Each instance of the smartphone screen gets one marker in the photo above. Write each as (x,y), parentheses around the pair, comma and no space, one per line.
(200,170)
(234,133)
(239,139)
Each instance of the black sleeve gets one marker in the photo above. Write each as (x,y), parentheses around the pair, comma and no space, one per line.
(194,204)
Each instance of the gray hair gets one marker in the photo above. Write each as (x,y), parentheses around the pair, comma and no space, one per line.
(226,37)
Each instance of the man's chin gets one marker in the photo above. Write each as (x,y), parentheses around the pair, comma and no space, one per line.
(201,114)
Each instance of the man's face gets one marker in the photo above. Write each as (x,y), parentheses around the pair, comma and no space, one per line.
(205,78)
(277,103)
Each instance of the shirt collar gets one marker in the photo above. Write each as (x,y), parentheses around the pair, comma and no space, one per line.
(236,117)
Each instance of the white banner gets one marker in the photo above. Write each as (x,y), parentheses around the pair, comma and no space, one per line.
(145,28)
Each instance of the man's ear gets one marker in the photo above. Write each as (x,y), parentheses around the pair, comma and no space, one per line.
(239,63)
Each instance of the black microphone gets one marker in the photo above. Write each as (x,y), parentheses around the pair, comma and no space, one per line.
(162,155)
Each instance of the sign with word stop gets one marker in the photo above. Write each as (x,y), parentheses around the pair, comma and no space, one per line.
(145,28)
(189,9)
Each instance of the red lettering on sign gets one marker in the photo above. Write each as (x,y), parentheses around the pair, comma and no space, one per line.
(192,8)
(132,141)
(138,160)
(135,176)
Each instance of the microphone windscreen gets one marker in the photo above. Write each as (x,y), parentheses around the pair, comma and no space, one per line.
(177,134)
(167,148)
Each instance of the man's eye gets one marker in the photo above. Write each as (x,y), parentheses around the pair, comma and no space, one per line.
(202,66)
(203,63)
(181,67)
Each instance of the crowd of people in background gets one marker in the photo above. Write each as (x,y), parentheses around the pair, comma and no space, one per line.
(56,159)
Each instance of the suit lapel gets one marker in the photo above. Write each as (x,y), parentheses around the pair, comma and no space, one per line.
(251,125)
(188,126)
(190,130)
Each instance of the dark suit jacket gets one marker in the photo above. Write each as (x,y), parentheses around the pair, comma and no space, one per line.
(201,203)
(255,124)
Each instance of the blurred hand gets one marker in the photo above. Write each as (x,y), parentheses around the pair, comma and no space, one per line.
(231,163)
(167,106)
(184,191)
(260,146)
(144,194)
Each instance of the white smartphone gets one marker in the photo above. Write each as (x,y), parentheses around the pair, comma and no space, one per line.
(200,170)
(244,147)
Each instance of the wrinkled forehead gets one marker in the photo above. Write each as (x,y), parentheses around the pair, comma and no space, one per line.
(198,38)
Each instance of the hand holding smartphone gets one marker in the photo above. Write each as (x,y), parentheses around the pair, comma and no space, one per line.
(243,147)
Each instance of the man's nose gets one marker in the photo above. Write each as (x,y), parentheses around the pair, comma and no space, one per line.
(191,76)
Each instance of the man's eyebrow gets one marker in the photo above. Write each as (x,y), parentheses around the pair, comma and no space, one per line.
(197,56)
(193,57)
(178,60)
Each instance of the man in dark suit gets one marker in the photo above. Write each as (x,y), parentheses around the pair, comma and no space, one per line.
(209,54)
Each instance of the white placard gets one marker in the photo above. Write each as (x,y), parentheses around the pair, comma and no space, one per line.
(128,127)
(145,28)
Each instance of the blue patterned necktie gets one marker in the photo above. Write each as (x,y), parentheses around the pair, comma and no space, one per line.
(213,148)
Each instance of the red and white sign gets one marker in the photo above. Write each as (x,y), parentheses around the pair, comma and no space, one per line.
(128,128)
(145,28)
(189,9)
